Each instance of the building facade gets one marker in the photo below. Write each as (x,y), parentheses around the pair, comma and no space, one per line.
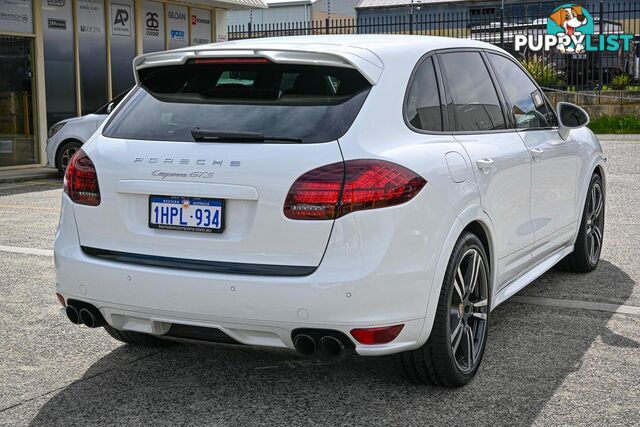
(480,10)
(65,58)
(294,11)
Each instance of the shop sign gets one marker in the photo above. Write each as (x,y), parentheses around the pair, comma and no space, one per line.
(178,26)
(153,29)
(57,24)
(120,19)
(200,26)
(16,16)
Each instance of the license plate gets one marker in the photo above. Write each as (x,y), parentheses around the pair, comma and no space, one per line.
(186,214)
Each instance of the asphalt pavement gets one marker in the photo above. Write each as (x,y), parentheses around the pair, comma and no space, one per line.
(566,350)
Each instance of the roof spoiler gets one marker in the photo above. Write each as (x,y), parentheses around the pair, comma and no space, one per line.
(370,68)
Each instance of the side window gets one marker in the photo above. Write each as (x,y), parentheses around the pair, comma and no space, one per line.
(423,99)
(474,105)
(527,104)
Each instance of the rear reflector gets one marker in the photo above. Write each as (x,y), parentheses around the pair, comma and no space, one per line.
(335,190)
(61,299)
(370,336)
(81,180)
(232,61)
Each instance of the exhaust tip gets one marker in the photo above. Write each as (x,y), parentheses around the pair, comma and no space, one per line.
(73,315)
(87,318)
(304,344)
(91,319)
(331,346)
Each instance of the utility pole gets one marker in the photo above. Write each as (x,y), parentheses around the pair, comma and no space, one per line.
(502,24)
(411,15)
(600,52)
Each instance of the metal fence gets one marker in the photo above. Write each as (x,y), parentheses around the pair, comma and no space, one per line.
(618,69)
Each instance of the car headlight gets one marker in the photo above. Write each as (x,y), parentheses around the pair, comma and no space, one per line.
(55,128)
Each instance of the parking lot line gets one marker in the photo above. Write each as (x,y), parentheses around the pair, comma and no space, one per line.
(577,304)
(14,185)
(26,251)
(39,208)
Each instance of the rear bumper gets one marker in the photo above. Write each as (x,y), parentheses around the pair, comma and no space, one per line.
(379,282)
(258,312)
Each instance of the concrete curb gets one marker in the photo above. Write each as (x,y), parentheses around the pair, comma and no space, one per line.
(614,137)
(14,176)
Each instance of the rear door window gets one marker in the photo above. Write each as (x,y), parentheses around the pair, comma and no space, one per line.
(474,104)
(301,103)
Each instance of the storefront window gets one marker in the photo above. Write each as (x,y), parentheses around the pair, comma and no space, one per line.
(17,139)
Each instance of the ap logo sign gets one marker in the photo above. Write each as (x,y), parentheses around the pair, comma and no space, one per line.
(120,19)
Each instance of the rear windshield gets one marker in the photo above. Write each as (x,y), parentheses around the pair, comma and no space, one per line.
(302,103)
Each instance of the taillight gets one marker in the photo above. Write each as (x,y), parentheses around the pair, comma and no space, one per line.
(335,190)
(81,180)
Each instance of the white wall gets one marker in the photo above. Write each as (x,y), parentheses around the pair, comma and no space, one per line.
(338,7)
(270,16)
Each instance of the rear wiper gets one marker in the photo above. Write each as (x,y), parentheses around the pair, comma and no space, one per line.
(207,135)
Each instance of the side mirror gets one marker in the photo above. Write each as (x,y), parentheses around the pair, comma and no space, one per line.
(570,116)
(110,107)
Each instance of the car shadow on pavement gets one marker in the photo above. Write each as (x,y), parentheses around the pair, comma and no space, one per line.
(531,351)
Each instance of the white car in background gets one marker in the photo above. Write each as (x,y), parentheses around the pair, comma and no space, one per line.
(376,194)
(67,136)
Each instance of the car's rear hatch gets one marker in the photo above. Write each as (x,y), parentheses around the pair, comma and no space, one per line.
(237,131)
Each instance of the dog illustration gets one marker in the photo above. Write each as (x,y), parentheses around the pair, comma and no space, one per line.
(571,19)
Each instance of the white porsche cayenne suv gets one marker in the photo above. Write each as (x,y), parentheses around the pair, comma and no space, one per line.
(358,193)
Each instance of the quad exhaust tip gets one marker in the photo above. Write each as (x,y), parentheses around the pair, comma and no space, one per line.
(88,315)
(91,319)
(331,346)
(73,315)
(304,344)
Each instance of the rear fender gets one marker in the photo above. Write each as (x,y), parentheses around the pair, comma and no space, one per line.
(598,160)
(469,215)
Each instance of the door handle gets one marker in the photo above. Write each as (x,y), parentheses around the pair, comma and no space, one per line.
(484,165)
(536,153)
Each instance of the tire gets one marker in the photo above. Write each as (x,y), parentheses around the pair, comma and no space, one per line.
(588,247)
(64,154)
(137,338)
(443,360)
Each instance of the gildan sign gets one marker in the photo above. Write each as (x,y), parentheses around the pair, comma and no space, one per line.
(120,19)
(177,26)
